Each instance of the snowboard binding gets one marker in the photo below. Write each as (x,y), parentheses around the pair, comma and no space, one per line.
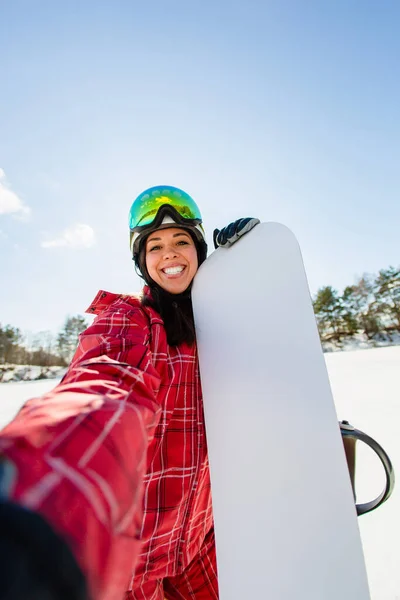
(350,436)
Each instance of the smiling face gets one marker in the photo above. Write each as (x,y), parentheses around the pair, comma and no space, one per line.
(171,259)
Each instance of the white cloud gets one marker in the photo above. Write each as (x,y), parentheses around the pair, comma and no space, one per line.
(77,236)
(10,203)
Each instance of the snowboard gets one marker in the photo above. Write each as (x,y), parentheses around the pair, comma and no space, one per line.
(285,520)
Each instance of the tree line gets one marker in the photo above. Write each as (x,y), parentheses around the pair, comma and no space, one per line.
(370,307)
(45,349)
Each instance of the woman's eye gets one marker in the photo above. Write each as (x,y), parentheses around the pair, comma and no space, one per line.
(182,243)
(154,248)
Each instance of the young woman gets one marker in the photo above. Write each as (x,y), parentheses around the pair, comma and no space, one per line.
(107,475)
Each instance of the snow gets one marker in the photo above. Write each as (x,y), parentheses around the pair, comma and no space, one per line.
(10,373)
(359,341)
(14,394)
(366,393)
(365,386)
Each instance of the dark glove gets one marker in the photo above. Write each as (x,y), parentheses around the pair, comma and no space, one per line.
(232,232)
(35,562)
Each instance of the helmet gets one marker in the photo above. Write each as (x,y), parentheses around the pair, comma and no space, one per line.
(162,207)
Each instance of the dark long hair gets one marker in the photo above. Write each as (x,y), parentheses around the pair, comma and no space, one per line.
(175,310)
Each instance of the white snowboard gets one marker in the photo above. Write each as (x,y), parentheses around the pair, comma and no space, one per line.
(285,521)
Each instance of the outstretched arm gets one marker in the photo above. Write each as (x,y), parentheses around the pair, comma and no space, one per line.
(77,455)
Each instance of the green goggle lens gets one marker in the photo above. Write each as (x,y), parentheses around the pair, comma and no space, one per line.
(146,206)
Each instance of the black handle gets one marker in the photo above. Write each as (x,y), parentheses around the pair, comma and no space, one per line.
(350,433)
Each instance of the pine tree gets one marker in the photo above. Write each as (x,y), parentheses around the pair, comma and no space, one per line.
(67,339)
(388,292)
(329,314)
(361,303)
(349,316)
(10,338)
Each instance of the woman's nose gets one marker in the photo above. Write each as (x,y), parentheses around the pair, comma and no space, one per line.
(170,252)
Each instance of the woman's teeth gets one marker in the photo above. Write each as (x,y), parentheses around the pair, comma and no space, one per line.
(173,270)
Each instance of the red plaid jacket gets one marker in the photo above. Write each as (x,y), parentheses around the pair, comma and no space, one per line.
(115,458)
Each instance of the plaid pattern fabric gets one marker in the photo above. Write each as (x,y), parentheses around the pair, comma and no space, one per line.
(115,458)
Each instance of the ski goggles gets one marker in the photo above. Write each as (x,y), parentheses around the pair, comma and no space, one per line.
(147,206)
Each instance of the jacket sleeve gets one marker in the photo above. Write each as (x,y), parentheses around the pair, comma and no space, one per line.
(78,454)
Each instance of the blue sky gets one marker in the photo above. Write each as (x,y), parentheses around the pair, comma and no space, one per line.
(285,110)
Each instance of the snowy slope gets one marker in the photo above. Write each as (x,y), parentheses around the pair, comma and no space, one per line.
(14,394)
(365,386)
(366,393)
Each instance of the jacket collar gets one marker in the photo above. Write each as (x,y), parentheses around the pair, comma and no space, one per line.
(104,299)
